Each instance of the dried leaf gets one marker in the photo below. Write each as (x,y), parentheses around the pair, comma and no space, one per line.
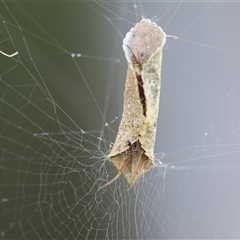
(132,153)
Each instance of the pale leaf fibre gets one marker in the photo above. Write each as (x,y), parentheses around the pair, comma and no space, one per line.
(133,150)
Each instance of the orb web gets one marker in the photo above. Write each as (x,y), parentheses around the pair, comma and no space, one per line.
(61,104)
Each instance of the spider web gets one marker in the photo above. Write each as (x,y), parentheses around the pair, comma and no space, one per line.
(61,105)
